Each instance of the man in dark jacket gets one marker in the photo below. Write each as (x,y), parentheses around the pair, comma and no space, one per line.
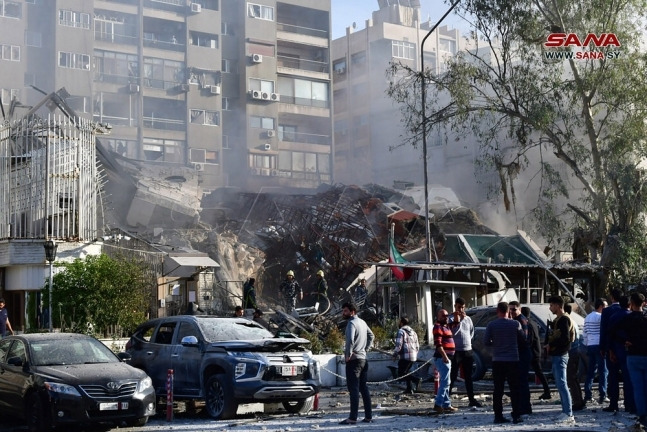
(249,294)
(535,347)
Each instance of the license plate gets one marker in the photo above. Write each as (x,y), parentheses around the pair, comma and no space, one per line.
(108,406)
(289,370)
(113,406)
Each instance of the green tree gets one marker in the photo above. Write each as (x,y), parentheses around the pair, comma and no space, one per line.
(112,294)
(570,124)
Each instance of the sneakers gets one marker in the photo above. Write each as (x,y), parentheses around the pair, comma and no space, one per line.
(367,420)
(499,420)
(475,403)
(610,409)
(450,409)
(546,396)
(438,409)
(604,399)
(565,418)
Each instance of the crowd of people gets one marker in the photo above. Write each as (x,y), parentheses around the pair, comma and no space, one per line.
(613,347)
(614,339)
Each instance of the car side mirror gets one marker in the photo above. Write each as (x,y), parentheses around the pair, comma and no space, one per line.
(124,356)
(189,341)
(15,361)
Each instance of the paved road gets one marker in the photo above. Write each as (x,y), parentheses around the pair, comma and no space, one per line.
(393,412)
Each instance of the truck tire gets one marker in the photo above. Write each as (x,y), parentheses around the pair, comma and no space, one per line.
(478,368)
(219,398)
(299,406)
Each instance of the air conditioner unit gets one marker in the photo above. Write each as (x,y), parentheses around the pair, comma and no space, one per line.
(274,173)
(275,97)
(257,58)
(198,166)
(196,7)
(133,88)
(162,303)
(215,89)
(256,94)
(269,134)
(265,96)
(267,147)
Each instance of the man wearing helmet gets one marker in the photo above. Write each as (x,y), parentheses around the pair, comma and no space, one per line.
(321,286)
(289,291)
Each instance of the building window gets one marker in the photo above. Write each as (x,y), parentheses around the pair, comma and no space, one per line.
(339,67)
(304,92)
(204,117)
(260,11)
(203,39)
(212,157)
(33,39)
(10,9)
(73,60)
(358,58)
(156,149)
(227,104)
(8,95)
(404,50)
(261,122)
(10,52)
(163,73)
(70,18)
(261,85)
(227,29)
(229,66)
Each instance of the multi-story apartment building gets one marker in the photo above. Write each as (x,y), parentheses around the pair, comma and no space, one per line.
(237,90)
(368,129)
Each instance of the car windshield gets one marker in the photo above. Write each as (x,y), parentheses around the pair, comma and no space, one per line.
(216,330)
(70,352)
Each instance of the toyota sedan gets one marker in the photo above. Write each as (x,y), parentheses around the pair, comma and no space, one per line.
(69,379)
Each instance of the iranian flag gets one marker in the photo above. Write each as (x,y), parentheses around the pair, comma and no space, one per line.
(395,258)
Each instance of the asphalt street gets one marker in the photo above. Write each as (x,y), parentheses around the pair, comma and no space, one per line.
(392,411)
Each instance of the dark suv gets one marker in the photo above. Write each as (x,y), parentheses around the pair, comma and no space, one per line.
(481,316)
(225,362)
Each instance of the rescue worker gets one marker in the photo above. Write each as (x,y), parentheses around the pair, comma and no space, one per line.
(289,291)
(321,286)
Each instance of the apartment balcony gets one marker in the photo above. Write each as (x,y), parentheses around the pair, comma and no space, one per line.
(302,67)
(115,38)
(160,123)
(167,42)
(305,138)
(302,35)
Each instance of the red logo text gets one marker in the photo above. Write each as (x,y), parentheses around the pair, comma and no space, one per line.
(571,39)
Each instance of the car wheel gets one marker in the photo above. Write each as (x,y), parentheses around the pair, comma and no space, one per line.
(219,399)
(36,415)
(478,368)
(137,422)
(301,406)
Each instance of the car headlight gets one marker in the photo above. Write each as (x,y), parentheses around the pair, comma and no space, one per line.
(144,384)
(64,389)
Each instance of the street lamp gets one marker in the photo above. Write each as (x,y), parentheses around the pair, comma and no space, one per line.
(424,124)
(50,256)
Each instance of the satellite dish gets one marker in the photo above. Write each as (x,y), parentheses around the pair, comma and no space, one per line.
(354,25)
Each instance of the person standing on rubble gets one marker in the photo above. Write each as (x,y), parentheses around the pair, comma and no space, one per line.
(249,294)
(360,292)
(289,291)
(321,287)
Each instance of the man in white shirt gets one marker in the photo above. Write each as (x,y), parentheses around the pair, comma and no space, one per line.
(592,341)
